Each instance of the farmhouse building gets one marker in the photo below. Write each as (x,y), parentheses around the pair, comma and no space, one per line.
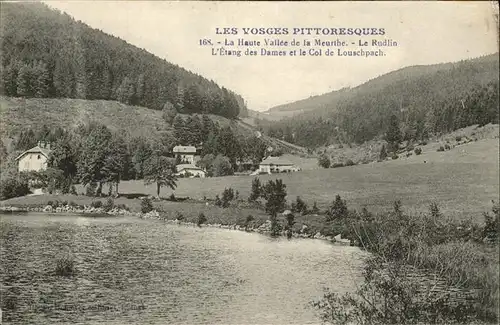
(277,165)
(34,159)
(189,170)
(186,153)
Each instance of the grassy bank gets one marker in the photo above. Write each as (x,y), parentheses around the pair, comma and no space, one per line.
(463,180)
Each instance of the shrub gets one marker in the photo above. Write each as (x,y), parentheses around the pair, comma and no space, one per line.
(249,219)
(201,219)
(410,148)
(218,201)
(338,209)
(179,216)
(72,204)
(122,207)
(55,204)
(299,206)
(50,202)
(324,161)
(90,190)
(64,203)
(458,138)
(172,197)
(337,165)
(423,143)
(96,204)
(349,162)
(315,208)
(394,156)
(256,190)
(441,148)
(72,191)
(383,153)
(418,151)
(447,147)
(109,205)
(13,186)
(65,266)
(227,197)
(146,205)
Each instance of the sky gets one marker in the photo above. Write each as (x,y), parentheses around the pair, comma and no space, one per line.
(425,32)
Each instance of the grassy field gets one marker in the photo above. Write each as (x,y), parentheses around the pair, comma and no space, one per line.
(463,181)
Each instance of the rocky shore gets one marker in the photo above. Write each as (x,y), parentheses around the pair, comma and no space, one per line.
(264,228)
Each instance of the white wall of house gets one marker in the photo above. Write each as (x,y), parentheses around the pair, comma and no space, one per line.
(193,172)
(32,162)
(276,168)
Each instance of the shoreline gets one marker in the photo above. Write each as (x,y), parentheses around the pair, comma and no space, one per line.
(89,211)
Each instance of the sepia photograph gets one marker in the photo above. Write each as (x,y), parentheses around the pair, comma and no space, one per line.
(249,162)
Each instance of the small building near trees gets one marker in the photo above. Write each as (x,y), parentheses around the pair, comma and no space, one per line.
(186,154)
(189,170)
(34,159)
(277,165)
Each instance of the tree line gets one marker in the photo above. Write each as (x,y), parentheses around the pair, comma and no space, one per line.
(434,102)
(47,54)
(91,154)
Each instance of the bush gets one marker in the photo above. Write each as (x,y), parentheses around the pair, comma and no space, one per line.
(146,205)
(72,204)
(72,191)
(383,153)
(349,162)
(51,203)
(201,219)
(447,147)
(96,204)
(109,205)
(338,209)
(441,148)
(256,190)
(90,190)
(64,203)
(299,206)
(394,156)
(337,165)
(227,196)
(418,151)
(122,207)
(172,197)
(65,266)
(458,138)
(12,186)
(324,161)
(179,216)
(218,201)
(410,148)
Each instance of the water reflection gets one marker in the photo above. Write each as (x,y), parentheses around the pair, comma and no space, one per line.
(137,271)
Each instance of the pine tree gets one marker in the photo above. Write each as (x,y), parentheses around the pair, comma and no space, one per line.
(393,135)
(24,81)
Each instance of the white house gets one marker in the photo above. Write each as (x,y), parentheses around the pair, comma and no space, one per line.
(277,165)
(34,159)
(186,153)
(189,170)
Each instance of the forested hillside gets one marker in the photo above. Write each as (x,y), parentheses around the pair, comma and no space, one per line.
(424,100)
(47,54)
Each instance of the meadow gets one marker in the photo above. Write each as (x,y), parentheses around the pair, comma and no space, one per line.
(463,181)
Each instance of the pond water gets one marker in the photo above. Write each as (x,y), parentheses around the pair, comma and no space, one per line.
(132,271)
